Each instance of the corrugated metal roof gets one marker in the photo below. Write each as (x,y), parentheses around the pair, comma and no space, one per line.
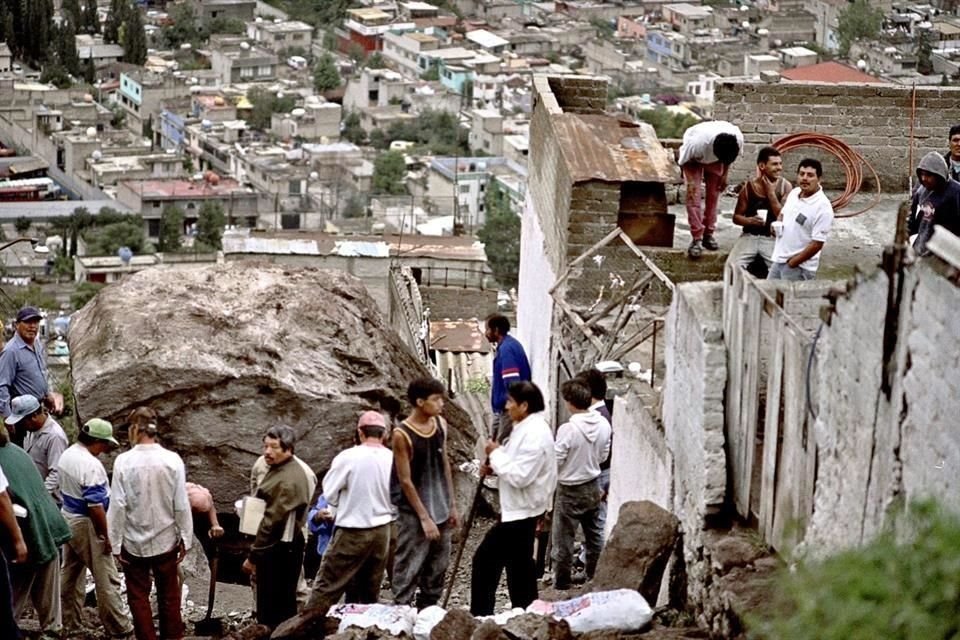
(458,335)
(602,147)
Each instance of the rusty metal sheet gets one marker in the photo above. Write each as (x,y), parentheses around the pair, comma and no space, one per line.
(602,147)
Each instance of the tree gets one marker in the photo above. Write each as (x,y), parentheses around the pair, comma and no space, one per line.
(351,129)
(210,223)
(265,104)
(182,29)
(91,17)
(500,234)
(924,53)
(667,124)
(376,61)
(325,74)
(229,26)
(357,54)
(65,46)
(431,74)
(86,291)
(134,39)
(106,240)
(858,20)
(171,228)
(55,74)
(22,225)
(71,11)
(389,170)
(116,16)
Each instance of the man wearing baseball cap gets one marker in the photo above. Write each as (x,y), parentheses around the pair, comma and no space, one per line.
(357,488)
(45,439)
(23,366)
(86,496)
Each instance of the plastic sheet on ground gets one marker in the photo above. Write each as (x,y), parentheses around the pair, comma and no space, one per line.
(621,609)
(426,621)
(395,619)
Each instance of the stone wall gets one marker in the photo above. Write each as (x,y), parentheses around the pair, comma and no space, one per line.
(873,119)
(693,416)
(458,302)
(641,465)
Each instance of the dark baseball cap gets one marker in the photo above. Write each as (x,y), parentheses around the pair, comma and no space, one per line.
(28,313)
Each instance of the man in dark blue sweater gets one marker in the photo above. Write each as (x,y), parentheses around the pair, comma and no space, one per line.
(510,365)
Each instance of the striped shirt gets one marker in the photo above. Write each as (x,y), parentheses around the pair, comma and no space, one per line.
(83,482)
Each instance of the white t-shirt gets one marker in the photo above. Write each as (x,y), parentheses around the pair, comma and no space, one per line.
(3,482)
(83,482)
(357,486)
(805,219)
(698,141)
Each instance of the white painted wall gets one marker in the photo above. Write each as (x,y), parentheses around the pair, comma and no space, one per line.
(535,305)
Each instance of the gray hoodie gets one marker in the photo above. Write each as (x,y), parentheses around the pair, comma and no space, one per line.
(581,445)
(938,207)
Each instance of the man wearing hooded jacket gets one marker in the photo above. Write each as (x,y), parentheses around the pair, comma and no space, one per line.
(582,444)
(935,202)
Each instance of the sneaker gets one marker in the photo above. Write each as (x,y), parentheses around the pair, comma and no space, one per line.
(710,243)
(695,250)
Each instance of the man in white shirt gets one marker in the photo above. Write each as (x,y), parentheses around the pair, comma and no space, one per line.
(583,443)
(357,488)
(150,526)
(806,218)
(708,150)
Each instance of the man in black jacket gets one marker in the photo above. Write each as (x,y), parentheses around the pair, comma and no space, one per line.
(935,202)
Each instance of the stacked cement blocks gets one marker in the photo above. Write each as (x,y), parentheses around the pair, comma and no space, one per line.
(873,119)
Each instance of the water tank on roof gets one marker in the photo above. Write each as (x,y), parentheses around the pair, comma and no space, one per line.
(186,46)
(87,97)
(298,112)
(219,101)
(245,46)
(126,255)
(206,125)
(96,155)
(91,132)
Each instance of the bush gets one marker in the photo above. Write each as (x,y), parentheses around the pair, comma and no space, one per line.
(85,292)
(887,589)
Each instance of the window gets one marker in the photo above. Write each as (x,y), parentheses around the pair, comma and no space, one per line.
(465,188)
(153,228)
(265,70)
(246,72)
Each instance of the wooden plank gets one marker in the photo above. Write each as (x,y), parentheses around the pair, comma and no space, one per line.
(771,433)
(787,521)
(647,261)
(810,452)
(621,300)
(583,256)
(733,397)
(578,321)
(749,397)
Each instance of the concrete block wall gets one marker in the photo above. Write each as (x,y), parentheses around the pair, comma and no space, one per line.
(693,416)
(579,94)
(873,119)
(874,451)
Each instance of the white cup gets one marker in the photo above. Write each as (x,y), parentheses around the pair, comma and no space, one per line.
(762,213)
(777,228)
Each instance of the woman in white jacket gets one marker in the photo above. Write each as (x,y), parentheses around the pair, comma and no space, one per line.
(527,467)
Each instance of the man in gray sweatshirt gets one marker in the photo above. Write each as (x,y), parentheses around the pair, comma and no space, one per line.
(582,444)
(935,202)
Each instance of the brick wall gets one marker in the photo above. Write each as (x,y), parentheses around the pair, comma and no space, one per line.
(873,119)
(579,94)
(458,302)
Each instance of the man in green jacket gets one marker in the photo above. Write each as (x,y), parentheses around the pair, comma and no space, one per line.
(44,529)
(277,553)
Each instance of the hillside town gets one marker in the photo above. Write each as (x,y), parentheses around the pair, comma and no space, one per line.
(442,251)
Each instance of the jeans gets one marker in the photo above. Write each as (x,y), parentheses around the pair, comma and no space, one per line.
(508,545)
(355,559)
(576,504)
(419,562)
(164,572)
(747,247)
(702,179)
(278,574)
(780,271)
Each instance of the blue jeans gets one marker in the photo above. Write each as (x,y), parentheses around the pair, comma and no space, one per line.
(780,271)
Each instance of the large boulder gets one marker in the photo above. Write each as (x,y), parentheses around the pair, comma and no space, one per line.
(638,550)
(223,352)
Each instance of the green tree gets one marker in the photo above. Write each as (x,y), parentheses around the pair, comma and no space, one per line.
(65,45)
(71,11)
(107,239)
(134,38)
(924,53)
(229,26)
(86,291)
(22,225)
(171,228)
(354,208)
(116,15)
(389,170)
(352,130)
(857,21)
(182,28)
(91,18)
(432,74)
(10,33)
(668,124)
(265,104)
(325,74)
(376,61)
(500,234)
(55,74)
(898,587)
(210,223)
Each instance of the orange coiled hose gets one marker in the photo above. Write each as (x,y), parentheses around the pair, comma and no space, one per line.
(851,161)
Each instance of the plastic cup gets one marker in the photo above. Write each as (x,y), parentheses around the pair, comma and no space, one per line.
(777,228)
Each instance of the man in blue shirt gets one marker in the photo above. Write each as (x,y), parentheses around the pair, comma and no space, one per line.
(23,366)
(510,365)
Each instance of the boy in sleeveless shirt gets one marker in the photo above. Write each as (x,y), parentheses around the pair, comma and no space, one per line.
(766,192)
(422,488)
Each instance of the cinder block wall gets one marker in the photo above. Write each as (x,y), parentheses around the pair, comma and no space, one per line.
(873,119)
